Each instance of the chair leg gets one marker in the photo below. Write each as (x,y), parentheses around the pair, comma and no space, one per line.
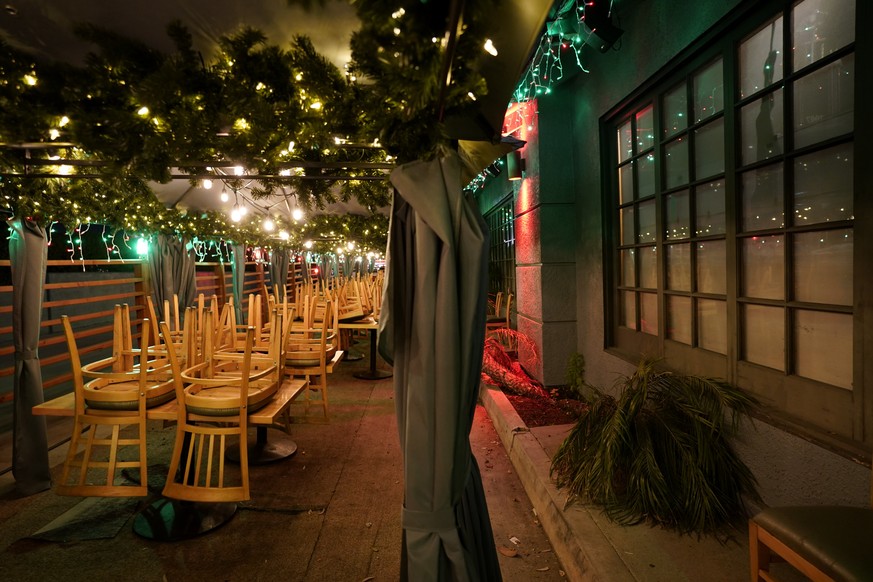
(759,555)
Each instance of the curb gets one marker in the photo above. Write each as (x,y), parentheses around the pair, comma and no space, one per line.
(566,528)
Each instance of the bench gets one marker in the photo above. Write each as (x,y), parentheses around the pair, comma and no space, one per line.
(825,543)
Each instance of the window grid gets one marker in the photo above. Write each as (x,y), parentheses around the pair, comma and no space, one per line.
(501,256)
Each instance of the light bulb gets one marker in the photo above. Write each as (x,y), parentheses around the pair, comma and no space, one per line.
(235,213)
(307,244)
(284,235)
(268,224)
(143,111)
(350,245)
(243,210)
(224,195)
(207,183)
(297,214)
(238,170)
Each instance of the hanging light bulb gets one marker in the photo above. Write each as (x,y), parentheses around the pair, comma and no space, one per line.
(283,234)
(307,244)
(238,170)
(243,210)
(235,214)
(350,245)
(268,224)
(297,214)
(224,195)
(206,183)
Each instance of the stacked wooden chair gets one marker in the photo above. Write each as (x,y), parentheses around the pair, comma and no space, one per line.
(117,395)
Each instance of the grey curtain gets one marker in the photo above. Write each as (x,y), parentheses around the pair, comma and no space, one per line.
(172,268)
(432,328)
(238,269)
(28,253)
(279,262)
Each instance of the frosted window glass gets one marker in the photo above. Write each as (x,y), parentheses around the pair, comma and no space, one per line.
(764,267)
(679,267)
(627,226)
(764,336)
(820,27)
(763,128)
(645,176)
(676,163)
(762,198)
(824,347)
(824,103)
(649,313)
(645,129)
(647,222)
(761,59)
(824,186)
(709,150)
(712,325)
(708,91)
(711,267)
(628,309)
(675,111)
(823,266)
(626,183)
(628,262)
(710,209)
(625,142)
(679,318)
(676,212)
(649,267)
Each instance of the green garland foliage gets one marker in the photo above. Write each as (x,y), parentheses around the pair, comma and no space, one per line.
(132,115)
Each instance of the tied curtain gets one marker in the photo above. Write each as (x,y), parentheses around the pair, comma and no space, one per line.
(238,270)
(172,268)
(432,330)
(279,262)
(28,253)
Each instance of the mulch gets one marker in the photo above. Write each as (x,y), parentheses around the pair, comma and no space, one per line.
(541,412)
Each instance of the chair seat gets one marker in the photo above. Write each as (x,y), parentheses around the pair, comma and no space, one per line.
(495,319)
(836,539)
(102,395)
(224,400)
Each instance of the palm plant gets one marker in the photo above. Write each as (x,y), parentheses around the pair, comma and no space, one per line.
(660,452)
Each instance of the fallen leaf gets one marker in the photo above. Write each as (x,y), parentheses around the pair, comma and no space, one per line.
(543,569)
(515,540)
(368,579)
(508,552)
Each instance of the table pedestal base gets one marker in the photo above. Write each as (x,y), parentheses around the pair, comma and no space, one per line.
(262,452)
(372,375)
(170,520)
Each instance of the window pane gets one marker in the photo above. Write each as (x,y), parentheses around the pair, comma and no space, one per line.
(649,313)
(649,267)
(645,176)
(628,278)
(820,27)
(823,266)
(712,325)
(824,186)
(764,336)
(709,150)
(675,111)
(625,142)
(708,91)
(679,318)
(676,169)
(647,222)
(824,103)
(764,267)
(626,183)
(628,309)
(763,133)
(645,129)
(679,267)
(761,59)
(711,267)
(627,225)
(762,198)
(677,215)
(710,209)
(824,347)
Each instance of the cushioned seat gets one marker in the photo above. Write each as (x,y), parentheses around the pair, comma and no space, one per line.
(833,539)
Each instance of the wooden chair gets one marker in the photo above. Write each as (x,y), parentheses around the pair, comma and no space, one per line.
(825,543)
(215,398)
(313,352)
(113,400)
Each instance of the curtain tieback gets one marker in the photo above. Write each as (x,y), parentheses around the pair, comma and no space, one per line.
(27,354)
(431,521)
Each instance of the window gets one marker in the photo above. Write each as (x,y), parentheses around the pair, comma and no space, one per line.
(734,233)
(501,257)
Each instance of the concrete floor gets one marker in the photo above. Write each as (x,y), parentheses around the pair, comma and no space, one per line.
(329,513)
